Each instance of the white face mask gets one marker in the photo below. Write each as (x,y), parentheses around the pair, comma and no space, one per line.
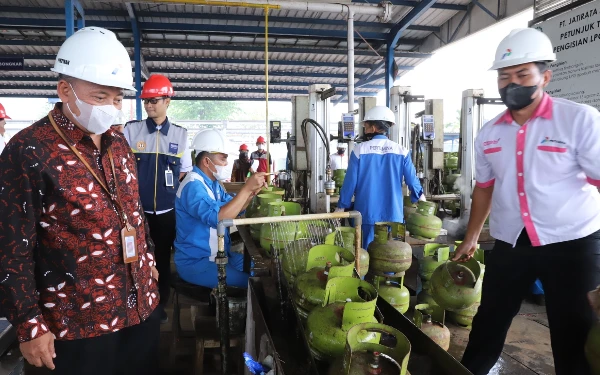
(96,119)
(220,174)
(260,146)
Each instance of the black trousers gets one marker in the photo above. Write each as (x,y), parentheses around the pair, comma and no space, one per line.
(162,231)
(567,270)
(130,351)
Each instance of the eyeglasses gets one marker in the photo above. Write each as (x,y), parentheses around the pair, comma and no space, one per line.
(153,100)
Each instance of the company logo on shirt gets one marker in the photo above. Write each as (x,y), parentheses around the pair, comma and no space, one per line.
(493,142)
(548,140)
(382,149)
(506,54)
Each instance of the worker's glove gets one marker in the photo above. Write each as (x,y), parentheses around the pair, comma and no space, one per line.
(422,198)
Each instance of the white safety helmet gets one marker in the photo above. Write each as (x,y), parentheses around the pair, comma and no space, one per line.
(94,54)
(210,140)
(380,113)
(523,46)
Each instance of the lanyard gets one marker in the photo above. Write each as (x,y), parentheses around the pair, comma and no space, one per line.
(117,202)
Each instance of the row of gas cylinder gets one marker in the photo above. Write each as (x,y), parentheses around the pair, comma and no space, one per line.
(331,300)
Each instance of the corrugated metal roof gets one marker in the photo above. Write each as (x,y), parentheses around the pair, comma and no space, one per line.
(209,47)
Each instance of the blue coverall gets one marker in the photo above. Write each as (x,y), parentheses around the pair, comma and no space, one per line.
(374,178)
(197,206)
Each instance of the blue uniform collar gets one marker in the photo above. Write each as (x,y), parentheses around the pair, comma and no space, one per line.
(379,136)
(213,184)
(151,124)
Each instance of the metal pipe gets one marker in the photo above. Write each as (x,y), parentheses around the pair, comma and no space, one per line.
(268,133)
(382,11)
(221,261)
(350,60)
(282,219)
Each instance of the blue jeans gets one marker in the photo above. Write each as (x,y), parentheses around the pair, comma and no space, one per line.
(204,272)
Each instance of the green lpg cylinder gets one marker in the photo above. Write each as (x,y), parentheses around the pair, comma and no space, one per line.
(344,237)
(338,176)
(262,210)
(388,255)
(423,224)
(592,349)
(394,292)
(434,255)
(464,318)
(409,207)
(430,320)
(279,235)
(592,345)
(324,262)
(347,301)
(294,258)
(369,358)
(450,181)
(425,298)
(451,162)
(457,286)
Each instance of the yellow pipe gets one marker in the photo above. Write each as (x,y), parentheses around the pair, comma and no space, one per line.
(220,3)
(267,95)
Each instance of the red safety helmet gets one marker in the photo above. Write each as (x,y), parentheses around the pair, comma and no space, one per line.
(260,140)
(244,147)
(3,113)
(157,85)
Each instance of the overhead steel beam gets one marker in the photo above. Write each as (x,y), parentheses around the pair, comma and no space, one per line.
(215,81)
(252,61)
(231,72)
(413,3)
(194,98)
(226,47)
(217,16)
(486,10)
(215,60)
(279,49)
(205,28)
(73,11)
(199,28)
(371,73)
(137,60)
(234,88)
(415,13)
(198,90)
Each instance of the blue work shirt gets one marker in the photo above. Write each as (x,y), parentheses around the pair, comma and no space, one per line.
(374,178)
(197,206)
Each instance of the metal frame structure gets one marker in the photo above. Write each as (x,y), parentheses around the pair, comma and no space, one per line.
(219,46)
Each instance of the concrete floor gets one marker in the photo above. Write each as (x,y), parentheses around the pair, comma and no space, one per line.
(527,349)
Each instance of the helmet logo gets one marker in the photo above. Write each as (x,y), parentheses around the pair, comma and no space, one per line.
(63,61)
(115,71)
(508,52)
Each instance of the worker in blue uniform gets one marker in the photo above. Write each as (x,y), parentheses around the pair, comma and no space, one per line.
(162,157)
(375,173)
(200,204)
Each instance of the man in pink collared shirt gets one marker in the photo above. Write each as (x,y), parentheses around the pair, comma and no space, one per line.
(537,169)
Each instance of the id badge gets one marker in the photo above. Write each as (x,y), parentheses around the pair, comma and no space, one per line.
(169,178)
(129,242)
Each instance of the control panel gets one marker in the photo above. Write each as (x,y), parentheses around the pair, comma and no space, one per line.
(275,130)
(428,127)
(348,125)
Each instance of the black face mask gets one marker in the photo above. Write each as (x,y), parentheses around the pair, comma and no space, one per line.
(369,136)
(517,97)
(243,156)
(341,152)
